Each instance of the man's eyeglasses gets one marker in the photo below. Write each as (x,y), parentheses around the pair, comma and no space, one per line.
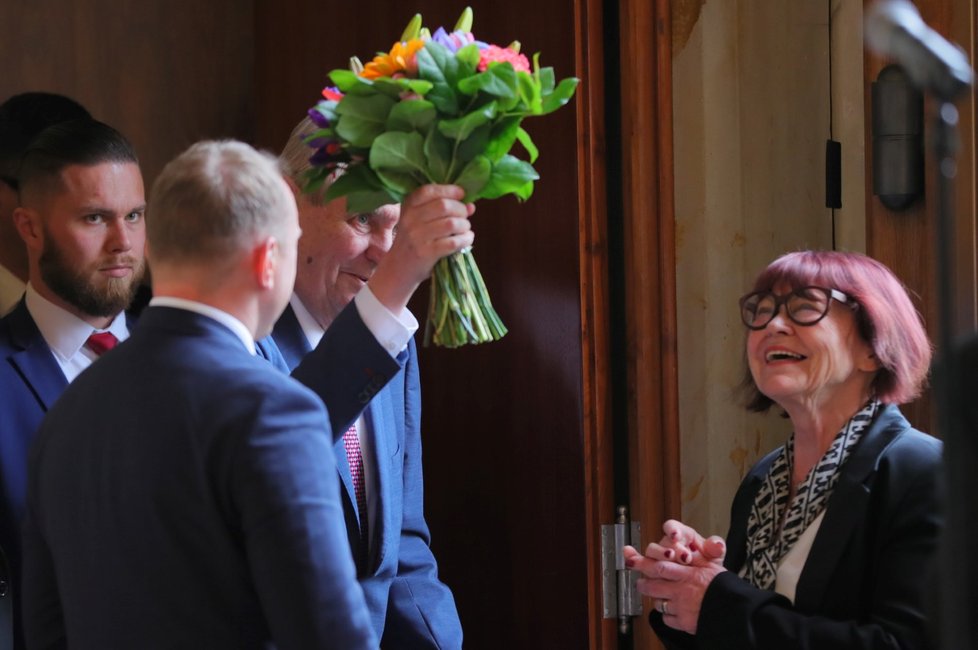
(804,306)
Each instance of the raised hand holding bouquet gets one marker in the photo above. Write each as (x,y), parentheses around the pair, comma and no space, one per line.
(444,109)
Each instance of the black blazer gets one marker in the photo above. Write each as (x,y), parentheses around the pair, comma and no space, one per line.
(866,579)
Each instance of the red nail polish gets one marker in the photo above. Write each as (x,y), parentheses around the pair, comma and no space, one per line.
(668,554)
(684,557)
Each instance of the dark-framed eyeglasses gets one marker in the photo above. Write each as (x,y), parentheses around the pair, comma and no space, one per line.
(804,306)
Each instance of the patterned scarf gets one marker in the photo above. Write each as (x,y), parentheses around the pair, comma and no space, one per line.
(766,543)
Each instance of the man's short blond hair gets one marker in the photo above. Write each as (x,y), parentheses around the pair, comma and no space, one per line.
(214,199)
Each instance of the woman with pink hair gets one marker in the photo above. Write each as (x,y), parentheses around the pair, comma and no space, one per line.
(833,535)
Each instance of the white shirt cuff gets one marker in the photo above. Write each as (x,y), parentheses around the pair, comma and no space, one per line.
(393,331)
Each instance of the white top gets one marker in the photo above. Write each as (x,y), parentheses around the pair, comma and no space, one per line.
(393,331)
(792,564)
(66,334)
(11,289)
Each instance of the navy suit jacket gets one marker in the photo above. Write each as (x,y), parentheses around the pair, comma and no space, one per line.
(346,370)
(409,605)
(30,382)
(865,582)
(180,496)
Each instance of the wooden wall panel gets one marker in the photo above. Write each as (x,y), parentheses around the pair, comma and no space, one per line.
(165,73)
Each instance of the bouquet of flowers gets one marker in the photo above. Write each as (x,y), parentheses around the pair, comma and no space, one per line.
(438,108)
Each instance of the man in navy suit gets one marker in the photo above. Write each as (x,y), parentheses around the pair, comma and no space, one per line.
(352,269)
(81,218)
(180,491)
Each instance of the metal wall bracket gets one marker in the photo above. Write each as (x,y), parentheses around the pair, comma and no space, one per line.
(621,599)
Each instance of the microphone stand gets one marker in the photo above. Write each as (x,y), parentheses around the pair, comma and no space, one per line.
(956,608)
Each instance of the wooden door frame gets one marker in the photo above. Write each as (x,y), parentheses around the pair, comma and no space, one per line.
(650,420)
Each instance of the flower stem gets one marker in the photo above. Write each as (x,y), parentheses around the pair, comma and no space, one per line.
(459,311)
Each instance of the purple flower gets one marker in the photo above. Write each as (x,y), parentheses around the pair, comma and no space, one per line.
(318,118)
(456,40)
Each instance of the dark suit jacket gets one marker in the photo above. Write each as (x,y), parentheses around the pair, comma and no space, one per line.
(346,370)
(864,583)
(409,606)
(179,496)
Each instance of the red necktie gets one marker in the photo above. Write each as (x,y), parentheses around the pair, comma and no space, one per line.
(351,442)
(101,342)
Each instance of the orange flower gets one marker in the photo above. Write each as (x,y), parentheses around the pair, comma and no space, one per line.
(402,61)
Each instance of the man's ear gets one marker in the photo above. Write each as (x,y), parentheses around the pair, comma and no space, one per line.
(265,262)
(27,221)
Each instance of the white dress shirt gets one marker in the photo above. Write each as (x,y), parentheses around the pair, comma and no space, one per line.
(66,334)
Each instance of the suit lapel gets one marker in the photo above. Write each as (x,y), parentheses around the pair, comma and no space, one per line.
(846,509)
(380,416)
(290,338)
(35,362)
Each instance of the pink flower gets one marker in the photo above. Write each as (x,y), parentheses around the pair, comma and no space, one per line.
(494,53)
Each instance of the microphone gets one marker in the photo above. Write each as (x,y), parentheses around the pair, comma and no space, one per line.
(894,29)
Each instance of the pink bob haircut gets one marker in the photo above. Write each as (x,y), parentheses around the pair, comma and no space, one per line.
(885,315)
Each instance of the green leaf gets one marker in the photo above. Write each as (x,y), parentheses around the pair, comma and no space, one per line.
(399,152)
(502,137)
(527,143)
(314,179)
(358,131)
(363,190)
(412,115)
(439,67)
(474,145)
(509,175)
(499,81)
(530,92)
(468,58)
(474,177)
(419,86)
(438,153)
(374,106)
(398,182)
(361,202)
(460,128)
(345,79)
(362,118)
(546,78)
(560,96)
(524,192)
(389,87)
(358,178)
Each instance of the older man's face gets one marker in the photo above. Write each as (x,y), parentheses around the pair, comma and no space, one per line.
(338,253)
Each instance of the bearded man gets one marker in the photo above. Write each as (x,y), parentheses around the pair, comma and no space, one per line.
(81,218)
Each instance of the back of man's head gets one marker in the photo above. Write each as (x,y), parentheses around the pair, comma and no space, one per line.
(213,200)
(85,142)
(23,117)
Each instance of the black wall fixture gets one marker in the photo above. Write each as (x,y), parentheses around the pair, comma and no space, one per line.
(898,139)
